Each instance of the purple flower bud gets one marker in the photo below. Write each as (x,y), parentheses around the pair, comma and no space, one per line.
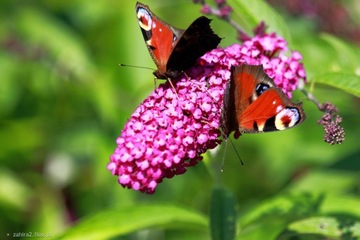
(334,133)
(225,11)
(260,29)
(220,2)
(206,9)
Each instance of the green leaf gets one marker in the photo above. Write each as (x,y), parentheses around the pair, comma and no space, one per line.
(222,215)
(270,218)
(13,192)
(346,57)
(286,206)
(267,228)
(323,182)
(123,221)
(347,82)
(333,62)
(254,11)
(62,45)
(327,226)
(343,205)
(14,133)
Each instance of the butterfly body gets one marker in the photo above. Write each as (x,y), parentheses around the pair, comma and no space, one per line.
(253,103)
(174,50)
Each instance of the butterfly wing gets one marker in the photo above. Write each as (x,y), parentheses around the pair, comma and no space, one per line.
(197,39)
(271,111)
(253,103)
(235,96)
(160,38)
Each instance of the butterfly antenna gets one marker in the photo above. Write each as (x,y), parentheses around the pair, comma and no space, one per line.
(155,82)
(223,160)
(237,153)
(173,87)
(135,66)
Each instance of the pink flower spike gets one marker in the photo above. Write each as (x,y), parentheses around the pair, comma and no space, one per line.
(170,131)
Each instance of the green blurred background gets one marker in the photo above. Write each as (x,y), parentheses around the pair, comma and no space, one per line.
(64,100)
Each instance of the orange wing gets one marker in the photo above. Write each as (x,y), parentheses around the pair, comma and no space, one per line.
(253,104)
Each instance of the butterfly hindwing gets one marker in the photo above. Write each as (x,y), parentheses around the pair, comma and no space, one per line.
(253,103)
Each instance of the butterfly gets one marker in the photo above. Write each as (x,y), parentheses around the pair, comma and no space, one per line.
(253,103)
(174,50)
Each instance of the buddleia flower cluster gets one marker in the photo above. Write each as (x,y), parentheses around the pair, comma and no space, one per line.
(174,126)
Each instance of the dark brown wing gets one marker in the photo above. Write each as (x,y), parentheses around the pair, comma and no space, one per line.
(197,39)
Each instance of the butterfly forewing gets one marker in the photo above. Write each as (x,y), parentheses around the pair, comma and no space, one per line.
(160,38)
(174,50)
(197,39)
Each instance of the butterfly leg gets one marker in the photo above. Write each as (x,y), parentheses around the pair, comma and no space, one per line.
(173,87)
(155,82)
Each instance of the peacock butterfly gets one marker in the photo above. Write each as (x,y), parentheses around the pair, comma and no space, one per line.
(174,50)
(253,103)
